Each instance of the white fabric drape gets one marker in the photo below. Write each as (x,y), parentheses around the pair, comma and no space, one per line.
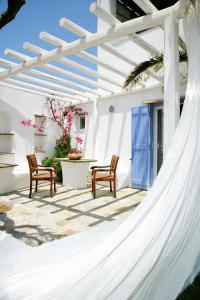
(151,255)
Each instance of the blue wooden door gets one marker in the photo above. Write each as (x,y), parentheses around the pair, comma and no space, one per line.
(141,154)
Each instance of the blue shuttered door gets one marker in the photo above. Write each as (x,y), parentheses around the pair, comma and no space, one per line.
(140,147)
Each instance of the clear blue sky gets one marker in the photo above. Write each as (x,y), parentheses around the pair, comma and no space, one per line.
(44,15)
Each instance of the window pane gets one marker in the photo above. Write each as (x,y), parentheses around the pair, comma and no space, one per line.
(82,122)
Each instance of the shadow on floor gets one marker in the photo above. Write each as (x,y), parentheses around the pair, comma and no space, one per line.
(32,235)
(41,218)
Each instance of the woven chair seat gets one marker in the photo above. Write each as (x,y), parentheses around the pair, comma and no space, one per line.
(103,177)
(43,176)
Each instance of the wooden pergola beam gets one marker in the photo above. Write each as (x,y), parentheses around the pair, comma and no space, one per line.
(101,13)
(93,40)
(68,83)
(148,7)
(66,62)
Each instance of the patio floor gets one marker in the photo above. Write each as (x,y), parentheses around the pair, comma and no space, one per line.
(42,218)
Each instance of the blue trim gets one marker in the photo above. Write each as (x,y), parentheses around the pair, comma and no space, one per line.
(140,147)
(151,150)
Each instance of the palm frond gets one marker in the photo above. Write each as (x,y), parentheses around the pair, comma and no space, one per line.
(146,68)
(143,70)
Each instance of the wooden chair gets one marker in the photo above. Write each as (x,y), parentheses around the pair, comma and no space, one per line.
(34,168)
(105,173)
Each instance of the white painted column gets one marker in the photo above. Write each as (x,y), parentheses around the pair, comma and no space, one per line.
(171,81)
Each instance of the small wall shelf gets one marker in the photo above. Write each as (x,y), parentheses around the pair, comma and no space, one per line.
(40,116)
(6,133)
(5,153)
(6,142)
(40,134)
(4,165)
(40,123)
(7,146)
(39,151)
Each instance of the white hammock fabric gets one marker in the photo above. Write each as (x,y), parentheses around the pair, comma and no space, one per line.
(152,255)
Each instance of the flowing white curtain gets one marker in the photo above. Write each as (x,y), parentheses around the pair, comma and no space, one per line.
(151,255)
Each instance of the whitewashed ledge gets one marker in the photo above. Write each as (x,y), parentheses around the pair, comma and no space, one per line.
(5,165)
(7,177)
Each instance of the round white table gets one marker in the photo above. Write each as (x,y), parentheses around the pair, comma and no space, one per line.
(75,172)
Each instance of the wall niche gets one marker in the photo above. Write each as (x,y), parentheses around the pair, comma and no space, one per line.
(6,134)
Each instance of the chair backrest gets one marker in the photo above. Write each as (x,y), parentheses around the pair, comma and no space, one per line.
(32,161)
(114,162)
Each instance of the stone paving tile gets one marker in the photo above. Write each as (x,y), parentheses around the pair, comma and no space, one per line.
(41,219)
(64,214)
(62,222)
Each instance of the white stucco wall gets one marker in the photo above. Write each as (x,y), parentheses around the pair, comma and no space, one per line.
(20,106)
(110,132)
(106,133)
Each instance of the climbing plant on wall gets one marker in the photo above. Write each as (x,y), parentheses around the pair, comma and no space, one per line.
(62,115)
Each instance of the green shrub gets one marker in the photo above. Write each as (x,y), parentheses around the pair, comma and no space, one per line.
(49,161)
(62,147)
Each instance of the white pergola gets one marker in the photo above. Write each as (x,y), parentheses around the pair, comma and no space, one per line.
(24,75)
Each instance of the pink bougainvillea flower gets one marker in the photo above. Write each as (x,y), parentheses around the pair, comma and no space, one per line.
(41,129)
(63,116)
(75,150)
(27,122)
(79,140)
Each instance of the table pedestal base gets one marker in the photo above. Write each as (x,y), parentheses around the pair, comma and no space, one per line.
(75,174)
